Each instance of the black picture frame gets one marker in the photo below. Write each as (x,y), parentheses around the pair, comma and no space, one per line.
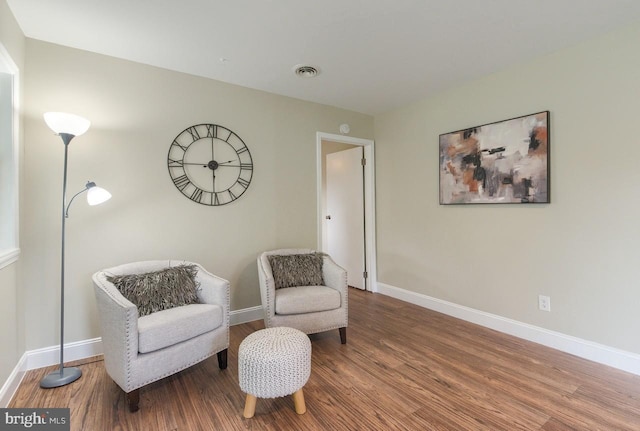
(504,162)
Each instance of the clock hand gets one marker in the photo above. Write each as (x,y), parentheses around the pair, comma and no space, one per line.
(216,164)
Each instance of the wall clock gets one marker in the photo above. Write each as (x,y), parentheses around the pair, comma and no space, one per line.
(210,164)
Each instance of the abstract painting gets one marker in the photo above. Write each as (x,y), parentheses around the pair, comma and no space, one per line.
(502,162)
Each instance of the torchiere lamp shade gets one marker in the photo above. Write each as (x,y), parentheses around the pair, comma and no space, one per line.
(61,122)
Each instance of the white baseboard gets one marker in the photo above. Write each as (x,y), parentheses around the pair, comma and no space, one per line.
(11,385)
(245,315)
(599,353)
(45,357)
(72,352)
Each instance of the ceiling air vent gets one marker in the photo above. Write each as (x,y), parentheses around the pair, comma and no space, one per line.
(305,71)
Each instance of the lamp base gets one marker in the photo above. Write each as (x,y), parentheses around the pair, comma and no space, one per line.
(57,378)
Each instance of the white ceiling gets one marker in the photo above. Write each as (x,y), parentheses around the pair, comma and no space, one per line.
(373,55)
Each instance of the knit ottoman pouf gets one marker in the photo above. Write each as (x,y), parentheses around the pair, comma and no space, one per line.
(272,363)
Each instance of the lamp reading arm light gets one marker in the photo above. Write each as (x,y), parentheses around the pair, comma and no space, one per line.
(95,196)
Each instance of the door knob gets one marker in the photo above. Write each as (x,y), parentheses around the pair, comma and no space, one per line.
(328,217)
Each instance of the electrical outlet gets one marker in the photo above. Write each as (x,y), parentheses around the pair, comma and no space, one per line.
(544,303)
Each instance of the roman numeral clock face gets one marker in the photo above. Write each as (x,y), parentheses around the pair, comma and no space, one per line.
(210,164)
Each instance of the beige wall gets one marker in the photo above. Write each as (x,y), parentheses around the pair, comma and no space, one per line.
(11,312)
(136,112)
(581,250)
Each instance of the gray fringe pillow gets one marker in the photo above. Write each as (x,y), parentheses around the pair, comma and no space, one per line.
(297,269)
(159,290)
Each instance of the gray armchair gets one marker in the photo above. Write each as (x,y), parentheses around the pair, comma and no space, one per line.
(310,309)
(141,350)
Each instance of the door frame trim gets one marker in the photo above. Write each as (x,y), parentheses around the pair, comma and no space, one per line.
(371,282)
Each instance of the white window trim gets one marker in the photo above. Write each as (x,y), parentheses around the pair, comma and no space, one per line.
(12,253)
(9,256)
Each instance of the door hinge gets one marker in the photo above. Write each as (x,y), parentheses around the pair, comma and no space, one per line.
(365,274)
(363,161)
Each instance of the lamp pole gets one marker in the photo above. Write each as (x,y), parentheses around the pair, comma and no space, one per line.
(64,375)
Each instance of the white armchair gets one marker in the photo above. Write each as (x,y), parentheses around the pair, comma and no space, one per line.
(141,350)
(310,309)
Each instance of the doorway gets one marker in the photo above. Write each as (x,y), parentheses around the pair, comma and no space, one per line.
(346,231)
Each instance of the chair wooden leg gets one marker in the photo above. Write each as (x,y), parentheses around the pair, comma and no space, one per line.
(133,400)
(343,335)
(250,406)
(298,402)
(222,359)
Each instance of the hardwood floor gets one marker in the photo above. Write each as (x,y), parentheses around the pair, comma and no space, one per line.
(404,368)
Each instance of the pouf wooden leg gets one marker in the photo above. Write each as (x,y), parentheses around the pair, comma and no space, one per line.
(298,402)
(250,406)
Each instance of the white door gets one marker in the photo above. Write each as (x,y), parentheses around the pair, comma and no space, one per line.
(345,213)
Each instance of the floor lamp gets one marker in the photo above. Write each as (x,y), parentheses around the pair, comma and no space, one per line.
(68,126)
